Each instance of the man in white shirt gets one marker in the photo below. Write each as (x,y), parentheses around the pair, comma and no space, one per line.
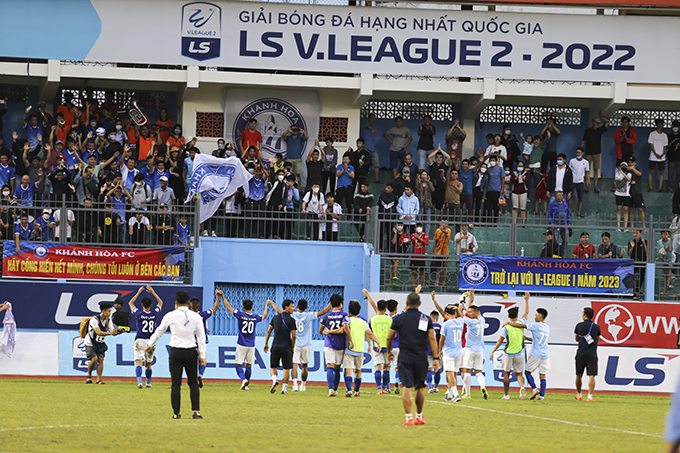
(70,218)
(580,167)
(95,349)
(332,212)
(658,144)
(312,207)
(187,332)
(465,242)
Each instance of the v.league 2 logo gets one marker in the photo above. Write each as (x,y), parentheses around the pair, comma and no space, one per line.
(201,30)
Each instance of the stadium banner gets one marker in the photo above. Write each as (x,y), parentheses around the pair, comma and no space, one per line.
(638,324)
(35,353)
(354,40)
(546,275)
(76,262)
(47,305)
(494,309)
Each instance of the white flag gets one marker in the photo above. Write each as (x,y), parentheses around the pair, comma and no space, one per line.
(215,179)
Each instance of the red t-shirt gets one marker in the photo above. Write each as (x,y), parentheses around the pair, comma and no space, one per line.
(250,138)
(587,252)
(419,243)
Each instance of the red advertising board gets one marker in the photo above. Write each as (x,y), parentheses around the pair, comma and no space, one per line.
(638,324)
(75,262)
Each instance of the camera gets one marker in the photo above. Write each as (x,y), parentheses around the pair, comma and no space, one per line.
(123,329)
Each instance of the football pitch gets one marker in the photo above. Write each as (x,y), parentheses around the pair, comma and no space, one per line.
(69,416)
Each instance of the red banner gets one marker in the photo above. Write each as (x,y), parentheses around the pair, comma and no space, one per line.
(74,262)
(639,324)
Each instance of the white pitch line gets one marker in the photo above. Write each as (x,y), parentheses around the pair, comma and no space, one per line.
(566,422)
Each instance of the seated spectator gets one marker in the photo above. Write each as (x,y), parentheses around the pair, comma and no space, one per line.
(466,243)
(559,214)
(24,193)
(164,226)
(438,265)
(551,248)
(24,231)
(580,167)
(138,226)
(609,250)
(312,207)
(141,193)
(108,224)
(363,203)
(584,250)
(163,194)
(419,240)
(332,212)
(44,226)
(666,256)
(408,207)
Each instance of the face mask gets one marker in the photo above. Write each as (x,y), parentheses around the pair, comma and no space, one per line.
(140,183)
(315,190)
(112,137)
(93,124)
(483,170)
(280,177)
(507,132)
(507,172)
(520,169)
(119,127)
(419,230)
(579,157)
(560,162)
(492,163)
(220,145)
(251,170)
(5,193)
(46,216)
(177,131)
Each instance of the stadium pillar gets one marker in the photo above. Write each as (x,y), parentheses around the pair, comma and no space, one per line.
(197,267)
(649,282)
(365,90)
(471,106)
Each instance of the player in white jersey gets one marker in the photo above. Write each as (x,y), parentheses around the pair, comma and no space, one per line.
(473,354)
(303,343)
(539,357)
(451,345)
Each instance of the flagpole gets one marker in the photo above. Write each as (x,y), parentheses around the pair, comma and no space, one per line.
(197,221)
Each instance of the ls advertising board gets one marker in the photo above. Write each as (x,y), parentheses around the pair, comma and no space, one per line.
(408,41)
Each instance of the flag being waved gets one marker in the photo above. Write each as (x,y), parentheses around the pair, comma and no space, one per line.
(213,179)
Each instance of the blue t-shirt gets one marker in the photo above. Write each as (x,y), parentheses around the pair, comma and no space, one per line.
(6,175)
(205,315)
(33,133)
(25,234)
(369,139)
(303,322)
(453,337)
(71,158)
(344,180)
(149,177)
(295,145)
(466,178)
(87,154)
(504,333)
(25,196)
(541,333)
(157,177)
(496,175)
(183,233)
(145,322)
(189,165)
(256,188)
(437,334)
(335,320)
(47,232)
(474,336)
(246,327)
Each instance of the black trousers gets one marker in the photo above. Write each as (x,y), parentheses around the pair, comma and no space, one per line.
(184,360)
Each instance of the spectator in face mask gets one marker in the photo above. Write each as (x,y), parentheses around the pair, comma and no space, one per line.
(560,179)
(312,207)
(419,240)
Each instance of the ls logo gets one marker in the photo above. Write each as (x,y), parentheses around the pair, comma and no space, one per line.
(201,30)
(649,371)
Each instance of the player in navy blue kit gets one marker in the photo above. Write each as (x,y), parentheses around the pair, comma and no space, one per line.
(433,388)
(392,308)
(146,321)
(336,326)
(245,346)
(205,314)
(285,331)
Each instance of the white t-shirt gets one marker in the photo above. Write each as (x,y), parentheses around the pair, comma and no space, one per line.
(500,149)
(57,216)
(621,184)
(579,168)
(659,140)
(133,221)
(465,243)
(314,204)
(559,179)
(94,322)
(336,210)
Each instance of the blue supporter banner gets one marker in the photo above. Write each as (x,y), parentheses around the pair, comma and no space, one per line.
(545,275)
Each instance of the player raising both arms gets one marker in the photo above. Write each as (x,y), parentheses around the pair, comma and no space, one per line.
(473,354)
(205,314)
(513,356)
(380,325)
(245,345)
(451,345)
(146,322)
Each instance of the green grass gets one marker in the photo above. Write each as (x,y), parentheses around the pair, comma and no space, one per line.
(62,416)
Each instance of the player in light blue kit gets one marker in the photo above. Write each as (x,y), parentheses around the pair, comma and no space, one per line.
(303,343)
(451,345)
(146,321)
(539,357)
(205,314)
(245,345)
(473,354)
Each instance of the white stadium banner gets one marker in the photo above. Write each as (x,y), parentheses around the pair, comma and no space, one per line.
(330,39)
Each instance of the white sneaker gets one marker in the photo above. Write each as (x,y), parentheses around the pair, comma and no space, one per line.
(430,390)
(205,233)
(303,387)
(213,234)
(506,397)
(148,385)
(331,393)
(522,393)
(295,388)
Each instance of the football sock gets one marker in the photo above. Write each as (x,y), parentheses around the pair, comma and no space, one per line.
(454,390)
(419,416)
(590,397)
(330,377)
(148,376)
(241,374)
(248,373)
(348,383)
(201,370)
(530,380)
(295,384)
(437,377)
(544,384)
(378,379)
(468,381)
(284,387)
(481,379)
(138,372)
(396,377)
(428,378)
(336,381)
(274,379)
(357,384)
(409,417)
(386,380)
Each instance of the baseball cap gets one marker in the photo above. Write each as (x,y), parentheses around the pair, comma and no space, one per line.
(58,141)
(163,178)
(163,205)
(47,211)
(61,156)
(406,170)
